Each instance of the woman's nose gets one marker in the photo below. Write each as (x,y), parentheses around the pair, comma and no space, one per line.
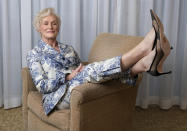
(50,25)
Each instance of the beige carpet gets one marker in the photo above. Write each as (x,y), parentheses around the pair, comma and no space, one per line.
(152,119)
(11,120)
(155,119)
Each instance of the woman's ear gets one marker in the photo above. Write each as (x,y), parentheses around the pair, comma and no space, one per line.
(39,31)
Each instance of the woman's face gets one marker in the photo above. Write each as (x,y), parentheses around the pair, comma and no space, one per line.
(49,27)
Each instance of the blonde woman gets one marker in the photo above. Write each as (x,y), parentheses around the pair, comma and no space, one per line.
(56,68)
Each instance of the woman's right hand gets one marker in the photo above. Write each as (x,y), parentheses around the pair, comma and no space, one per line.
(75,72)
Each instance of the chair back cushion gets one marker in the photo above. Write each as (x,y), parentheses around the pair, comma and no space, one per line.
(109,45)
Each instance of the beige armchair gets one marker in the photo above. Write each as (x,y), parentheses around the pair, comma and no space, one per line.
(94,107)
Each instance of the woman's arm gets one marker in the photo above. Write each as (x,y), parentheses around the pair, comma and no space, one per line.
(74,57)
(44,83)
(75,72)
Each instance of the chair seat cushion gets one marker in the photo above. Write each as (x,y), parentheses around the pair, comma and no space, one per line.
(58,118)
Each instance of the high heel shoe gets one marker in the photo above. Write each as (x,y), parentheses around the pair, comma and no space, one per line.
(162,46)
(160,26)
(156,66)
(156,28)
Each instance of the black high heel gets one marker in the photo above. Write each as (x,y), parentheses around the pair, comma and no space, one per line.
(159,55)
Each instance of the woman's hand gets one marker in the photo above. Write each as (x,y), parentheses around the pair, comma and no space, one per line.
(75,72)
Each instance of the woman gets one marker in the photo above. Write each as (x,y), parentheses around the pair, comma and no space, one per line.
(56,68)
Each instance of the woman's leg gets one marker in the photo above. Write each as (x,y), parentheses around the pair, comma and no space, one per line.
(98,72)
(143,64)
(114,68)
(142,49)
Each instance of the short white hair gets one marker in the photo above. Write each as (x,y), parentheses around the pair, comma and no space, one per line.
(43,13)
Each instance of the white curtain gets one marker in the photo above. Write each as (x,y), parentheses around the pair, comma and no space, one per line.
(10,53)
(82,21)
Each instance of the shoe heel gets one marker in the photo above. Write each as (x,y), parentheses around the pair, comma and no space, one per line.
(156,73)
(164,73)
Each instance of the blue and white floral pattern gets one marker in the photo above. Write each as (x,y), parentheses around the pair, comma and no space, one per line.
(49,68)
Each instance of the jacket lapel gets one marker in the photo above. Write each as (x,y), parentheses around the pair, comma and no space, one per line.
(51,52)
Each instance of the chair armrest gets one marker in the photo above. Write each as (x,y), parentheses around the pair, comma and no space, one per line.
(27,80)
(90,91)
(92,104)
(27,85)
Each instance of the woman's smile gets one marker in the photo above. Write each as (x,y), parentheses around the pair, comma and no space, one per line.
(49,27)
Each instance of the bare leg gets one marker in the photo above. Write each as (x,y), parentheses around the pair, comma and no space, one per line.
(138,52)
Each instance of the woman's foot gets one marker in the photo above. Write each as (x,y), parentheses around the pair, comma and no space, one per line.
(144,64)
(147,43)
(138,52)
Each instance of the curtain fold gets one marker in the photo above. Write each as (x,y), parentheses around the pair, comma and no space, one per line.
(181,60)
(11,54)
(1,60)
(82,21)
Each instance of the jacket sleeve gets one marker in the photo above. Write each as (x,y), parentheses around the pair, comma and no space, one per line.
(73,56)
(45,82)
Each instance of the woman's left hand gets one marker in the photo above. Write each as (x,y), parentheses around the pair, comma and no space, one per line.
(75,72)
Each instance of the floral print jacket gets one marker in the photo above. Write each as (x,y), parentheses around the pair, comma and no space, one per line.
(49,68)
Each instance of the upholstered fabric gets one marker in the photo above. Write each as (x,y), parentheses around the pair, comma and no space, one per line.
(28,86)
(59,119)
(36,124)
(93,107)
(109,45)
(108,109)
